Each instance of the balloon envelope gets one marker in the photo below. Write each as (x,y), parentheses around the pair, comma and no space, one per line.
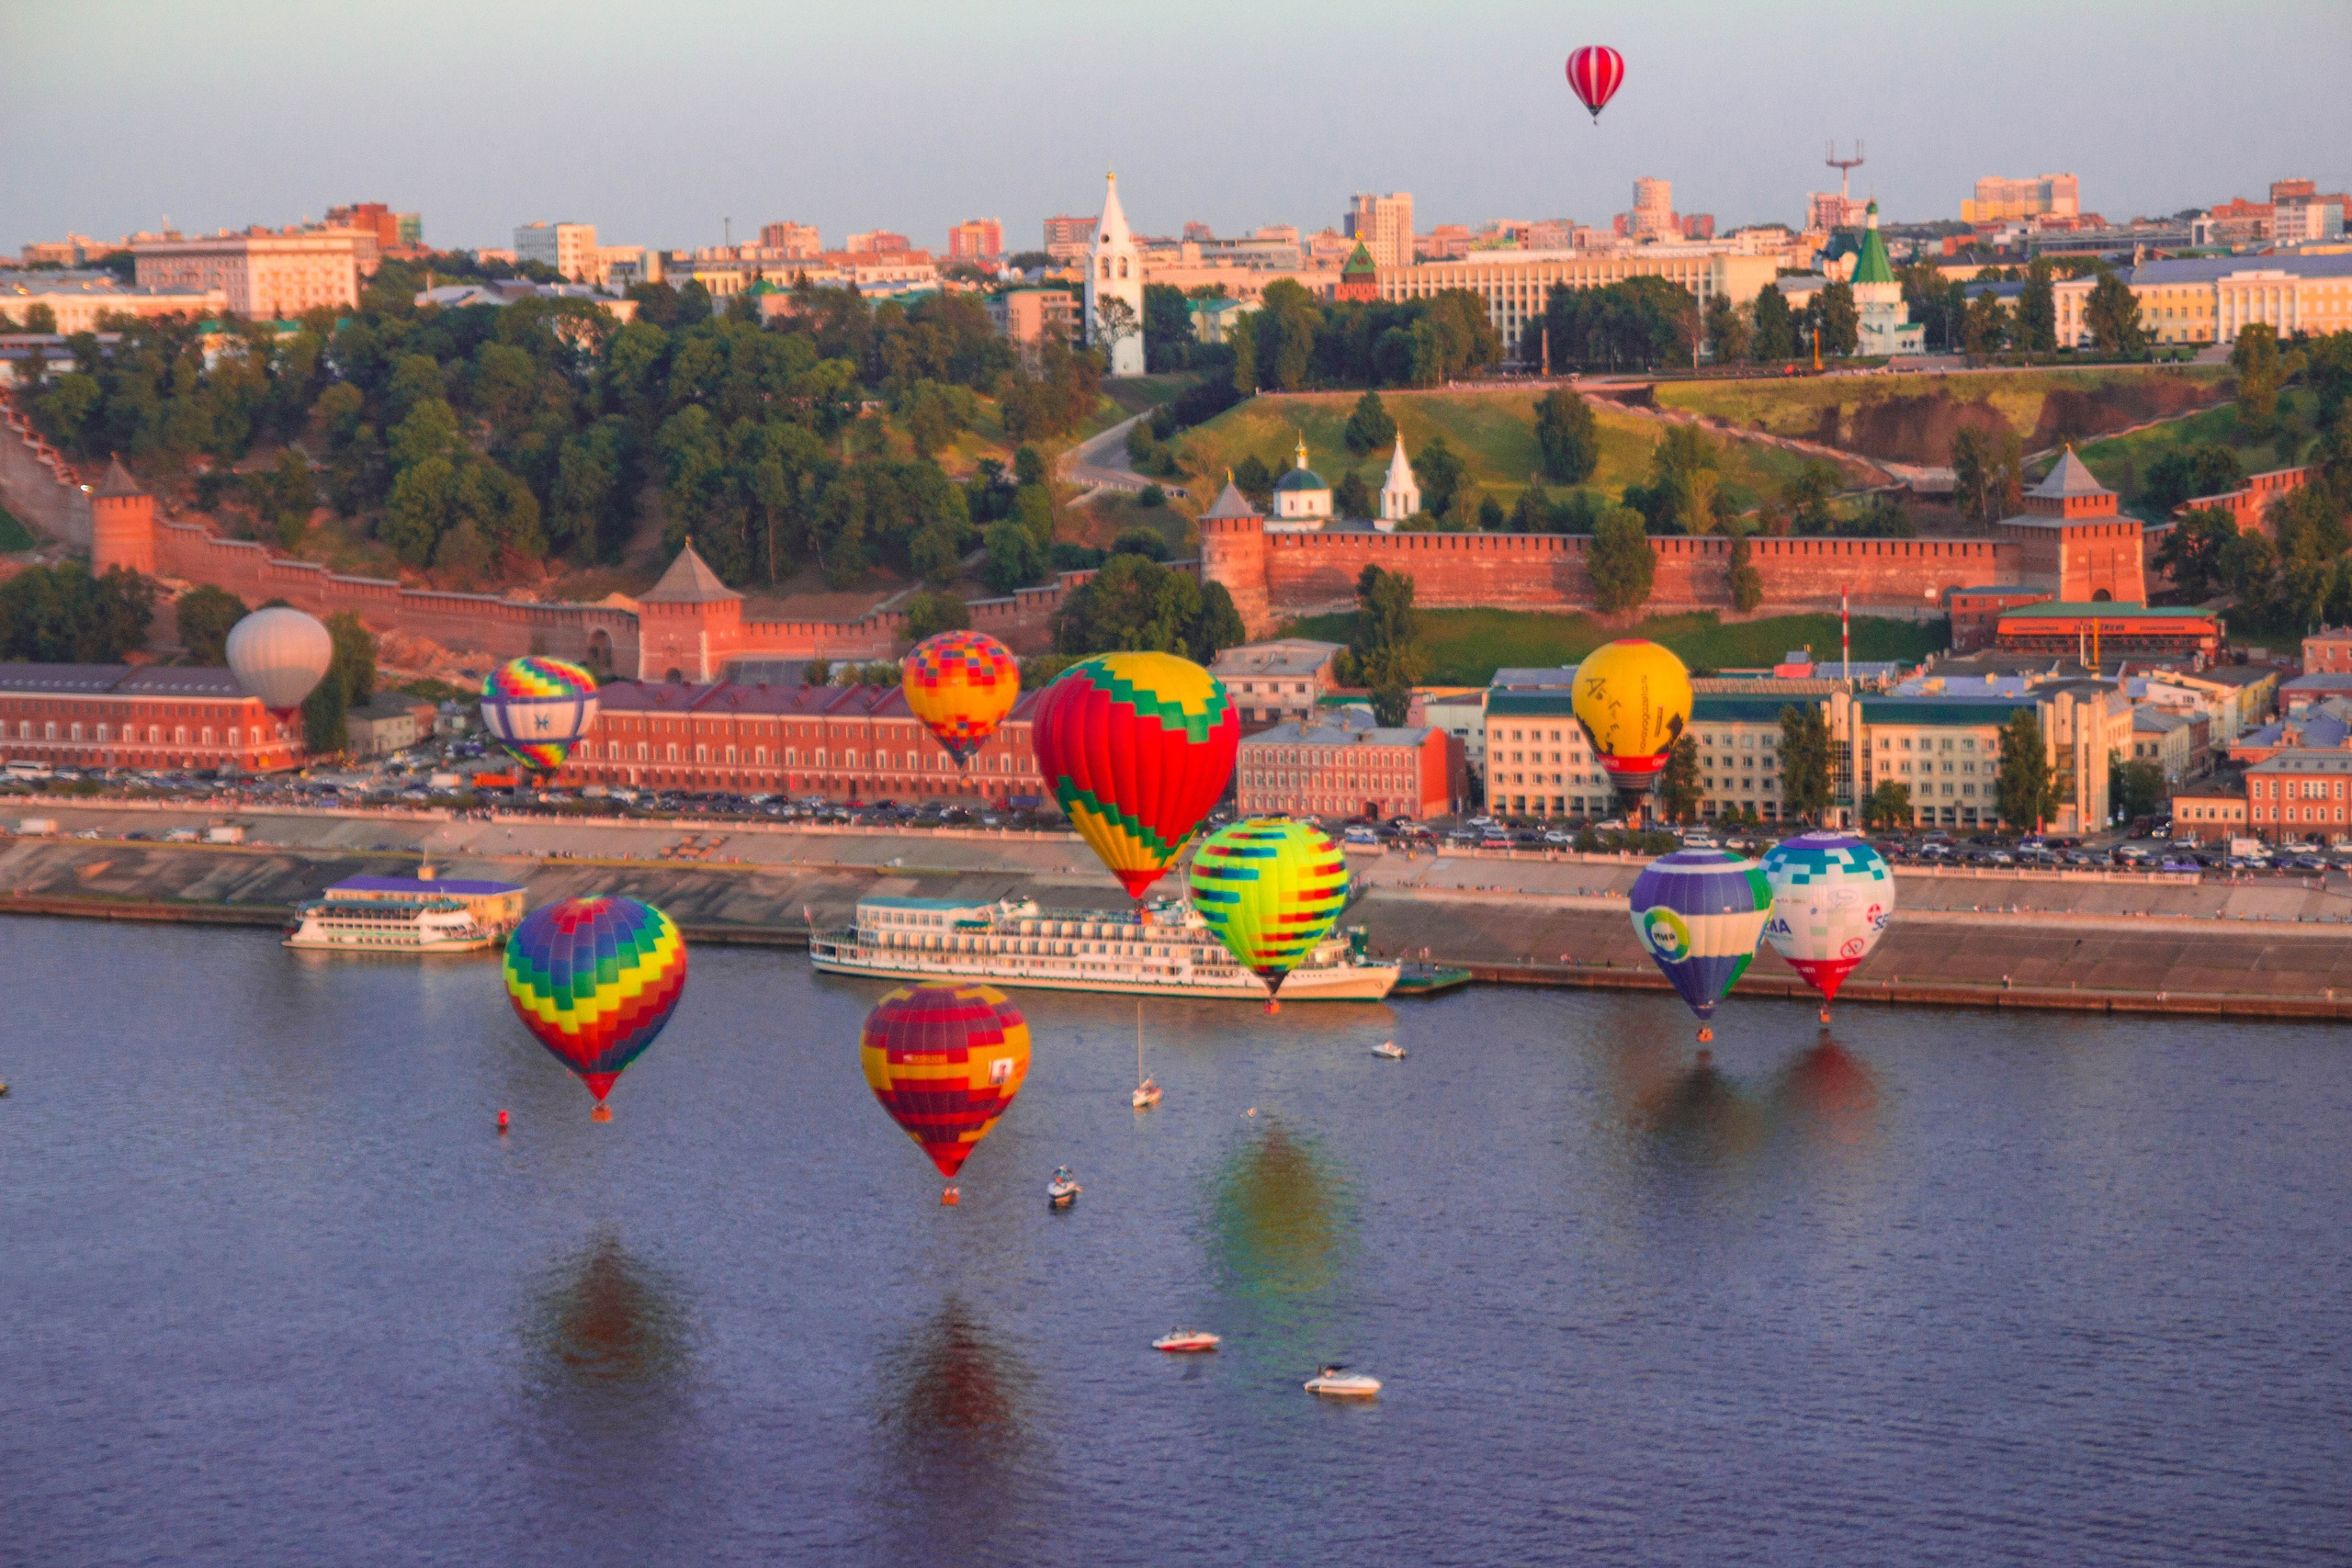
(596,979)
(945,1061)
(1832,896)
(280,655)
(1595,71)
(1136,746)
(961,684)
(537,708)
(1270,890)
(1633,699)
(1697,914)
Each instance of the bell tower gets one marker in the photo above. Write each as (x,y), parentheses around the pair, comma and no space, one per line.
(1115,275)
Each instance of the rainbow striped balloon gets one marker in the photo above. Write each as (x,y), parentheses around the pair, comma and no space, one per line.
(596,979)
(1270,889)
(945,1060)
(961,684)
(537,708)
(1136,746)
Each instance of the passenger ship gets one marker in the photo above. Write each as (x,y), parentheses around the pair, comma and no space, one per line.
(1164,950)
(385,925)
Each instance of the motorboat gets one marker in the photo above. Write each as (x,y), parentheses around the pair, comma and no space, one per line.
(1145,1096)
(1063,1189)
(1335,1381)
(1390,1049)
(1186,1341)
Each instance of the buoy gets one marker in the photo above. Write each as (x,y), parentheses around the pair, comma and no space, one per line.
(501,1124)
(601,1113)
(1705,1034)
(952,1196)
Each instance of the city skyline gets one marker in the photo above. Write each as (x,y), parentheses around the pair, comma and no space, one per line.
(1268,116)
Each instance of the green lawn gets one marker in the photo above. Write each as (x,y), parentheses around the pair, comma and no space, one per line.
(2120,460)
(1493,430)
(1793,406)
(1466,646)
(13,535)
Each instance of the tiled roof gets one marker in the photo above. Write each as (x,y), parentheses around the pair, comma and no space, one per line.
(1231,503)
(2071,477)
(2305,762)
(689,581)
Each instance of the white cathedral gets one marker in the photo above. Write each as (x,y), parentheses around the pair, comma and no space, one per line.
(1114,272)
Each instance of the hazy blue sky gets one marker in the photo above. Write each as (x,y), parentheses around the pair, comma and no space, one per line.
(655,121)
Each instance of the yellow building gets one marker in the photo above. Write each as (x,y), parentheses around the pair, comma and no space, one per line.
(2209,300)
(1516,284)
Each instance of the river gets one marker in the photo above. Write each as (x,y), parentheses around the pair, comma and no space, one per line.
(1926,1287)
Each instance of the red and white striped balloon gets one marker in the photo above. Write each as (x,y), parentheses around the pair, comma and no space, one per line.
(1595,72)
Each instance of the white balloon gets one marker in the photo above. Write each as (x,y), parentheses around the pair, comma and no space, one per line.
(1832,896)
(279,655)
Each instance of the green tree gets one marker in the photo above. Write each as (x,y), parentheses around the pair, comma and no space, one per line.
(2191,552)
(1888,806)
(1805,771)
(1442,472)
(1254,478)
(1133,604)
(1989,474)
(2025,787)
(285,496)
(1731,330)
(1839,317)
(1744,582)
(1015,558)
(354,656)
(1168,339)
(1775,329)
(1385,647)
(1984,328)
(1352,497)
(931,611)
(1033,508)
(62,615)
(206,615)
(1806,495)
(2037,323)
(1369,427)
(2185,473)
(1568,437)
(816,673)
(2112,313)
(2136,788)
(325,712)
(1620,561)
(2260,368)
(1678,786)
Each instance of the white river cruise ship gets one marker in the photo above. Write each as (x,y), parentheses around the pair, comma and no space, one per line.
(423,913)
(1166,950)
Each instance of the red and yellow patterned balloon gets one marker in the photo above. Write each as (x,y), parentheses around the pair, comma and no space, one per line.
(596,979)
(945,1061)
(961,684)
(1270,889)
(1136,746)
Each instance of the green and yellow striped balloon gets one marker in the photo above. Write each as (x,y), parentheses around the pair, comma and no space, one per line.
(1270,889)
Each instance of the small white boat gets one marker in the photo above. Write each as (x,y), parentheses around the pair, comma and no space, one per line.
(1390,1049)
(1186,1341)
(1147,1094)
(1063,1189)
(1335,1381)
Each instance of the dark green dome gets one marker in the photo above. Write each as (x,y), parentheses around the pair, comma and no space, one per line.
(1301,479)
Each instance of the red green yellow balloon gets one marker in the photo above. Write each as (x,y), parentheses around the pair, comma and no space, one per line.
(594,979)
(961,684)
(945,1060)
(1270,889)
(1633,699)
(1136,746)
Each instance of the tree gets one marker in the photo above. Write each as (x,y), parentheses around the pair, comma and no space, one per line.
(816,673)
(1440,471)
(1568,436)
(1678,785)
(1805,773)
(2259,363)
(62,615)
(1369,427)
(206,616)
(2136,787)
(1115,322)
(2112,313)
(1744,582)
(1620,562)
(1253,478)
(1167,327)
(1138,604)
(1283,336)
(1985,326)
(2037,324)
(1144,542)
(1385,647)
(1352,496)
(2025,787)
(324,712)
(1392,704)
(1839,317)
(1015,558)
(354,656)
(2186,473)
(285,496)
(1989,474)
(932,610)
(1888,806)
(1806,495)
(1775,330)
(1730,331)
(2191,552)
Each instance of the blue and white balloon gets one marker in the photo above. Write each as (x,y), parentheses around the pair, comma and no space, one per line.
(1697,914)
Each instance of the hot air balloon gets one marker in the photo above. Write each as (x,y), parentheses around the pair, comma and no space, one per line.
(537,708)
(1831,899)
(945,1060)
(1595,72)
(280,655)
(1633,699)
(596,979)
(1697,914)
(961,684)
(1270,890)
(1136,746)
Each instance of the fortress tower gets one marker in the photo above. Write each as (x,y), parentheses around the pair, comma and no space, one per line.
(122,524)
(689,624)
(1233,552)
(2076,545)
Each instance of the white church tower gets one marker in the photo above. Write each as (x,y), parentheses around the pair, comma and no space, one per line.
(1401,496)
(1114,272)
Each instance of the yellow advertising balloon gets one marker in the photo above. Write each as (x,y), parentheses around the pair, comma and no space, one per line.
(1633,699)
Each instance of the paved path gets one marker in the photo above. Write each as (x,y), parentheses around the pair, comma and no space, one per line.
(1102,460)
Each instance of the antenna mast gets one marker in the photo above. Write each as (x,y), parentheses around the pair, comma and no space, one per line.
(1845,167)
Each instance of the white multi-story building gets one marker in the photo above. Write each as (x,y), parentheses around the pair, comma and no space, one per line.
(1114,273)
(570,248)
(1516,284)
(264,274)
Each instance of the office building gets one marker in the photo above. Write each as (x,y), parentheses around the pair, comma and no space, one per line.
(976,240)
(263,273)
(1066,238)
(878,242)
(2000,200)
(1276,682)
(791,240)
(1344,764)
(569,248)
(1384,223)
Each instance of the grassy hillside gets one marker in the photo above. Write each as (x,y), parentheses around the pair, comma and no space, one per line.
(1494,432)
(1466,646)
(1912,418)
(2121,461)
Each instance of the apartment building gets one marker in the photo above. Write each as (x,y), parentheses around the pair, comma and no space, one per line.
(261,274)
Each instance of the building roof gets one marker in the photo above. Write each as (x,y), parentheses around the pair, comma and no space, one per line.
(2213,269)
(1555,703)
(2071,477)
(1963,712)
(69,678)
(1359,262)
(118,481)
(172,681)
(462,888)
(1328,731)
(2313,732)
(1537,678)
(2305,762)
(1871,267)
(689,581)
(2065,610)
(2159,721)
(722,698)
(1285,656)
(1301,479)
(1231,503)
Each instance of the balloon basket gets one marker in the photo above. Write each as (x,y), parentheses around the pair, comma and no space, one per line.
(601,1113)
(951,1197)
(1272,1007)
(1824,1015)
(1706,1036)
(501,1124)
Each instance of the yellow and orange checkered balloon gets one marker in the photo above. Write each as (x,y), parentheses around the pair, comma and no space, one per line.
(961,684)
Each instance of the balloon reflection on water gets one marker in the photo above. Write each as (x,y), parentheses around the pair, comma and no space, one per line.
(957,1451)
(1280,1228)
(1831,1091)
(606,1320)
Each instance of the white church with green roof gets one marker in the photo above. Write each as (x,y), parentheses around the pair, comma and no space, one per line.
(1886,324)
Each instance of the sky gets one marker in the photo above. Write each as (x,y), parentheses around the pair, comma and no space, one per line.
(658,123)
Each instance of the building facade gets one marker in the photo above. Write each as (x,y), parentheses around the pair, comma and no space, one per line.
(570,248)
(141,715)
(1276,682)
(1027,317)
(2211,300)
(261,274)
(1114,273)
(1515,284)
(1384,224)
(2075,542)
(2300,796)
(976,240)
(1344,764)
(76,301)
(2000,200)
